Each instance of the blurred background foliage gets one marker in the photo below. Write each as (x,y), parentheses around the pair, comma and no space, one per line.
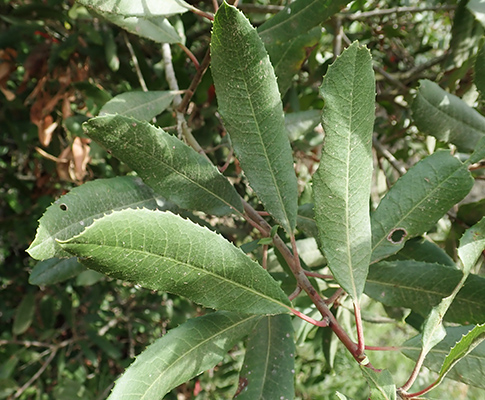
(58,66)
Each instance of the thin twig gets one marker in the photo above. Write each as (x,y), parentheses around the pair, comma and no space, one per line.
(395,10)
(135,63)
(190,55)
(295,293)
(382,151)
(34,377)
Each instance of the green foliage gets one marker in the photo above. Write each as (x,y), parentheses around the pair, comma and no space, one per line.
(209,210)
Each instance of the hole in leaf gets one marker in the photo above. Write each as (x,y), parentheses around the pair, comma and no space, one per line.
(63,207)
(397,235)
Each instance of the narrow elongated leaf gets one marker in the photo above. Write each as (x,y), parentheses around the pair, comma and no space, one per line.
(298,18)
(447,117)
(472,244)
(157,29)
(421,286)
(128,8)
(24,314)
(165,163)
(268,367)
(420,249)
(250,105)
(381,384)
(70,214)
(417,201)
(55,270)
(183,353)
(480,70)
(341,185)
(468,370)
(461,349)
(161,251)
(139,105)
(292,33)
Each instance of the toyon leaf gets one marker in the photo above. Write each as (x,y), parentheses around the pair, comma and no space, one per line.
(420,286)
(341,185)
(157,29)
(459,356)
(161,251)
(128,8)
(477,7)
(417,201)
(381,384)
(268,367)
(480,69)
(24,314)
(472,245)
(70,214)
(250,105)
(447,117)
(183,353)
(55,270)
(139,105)
(169,166)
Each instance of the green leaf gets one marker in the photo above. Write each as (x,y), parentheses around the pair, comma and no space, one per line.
(306,220)
(139,105)
(480,70)
(55,270)
(24,314)
(447,117)
(70,214)
(420,249)
(472,244)
(297,19)
(477,7)
(381,384)
(421,286)
(300,123)
(468,370)
(155,28)
(161,251)
(183,353)
(417,201)
(128,8)
(291,34)
(165,163)
(479,152)
(268,367)
(250,105)
(462,348)
(341,185)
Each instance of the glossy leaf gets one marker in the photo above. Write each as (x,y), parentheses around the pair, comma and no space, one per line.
(161,251)
(157,29)
(250,105)
(447,117)
(341,185)
(268,367)
(468,370)
(417,201)
(128,8)
(472,245)
(183,353)
(421,286)
(477,8)
(73,212)
(461,349)
(381,384)
(420,249)
(139,105)
(55,270)
(165,163)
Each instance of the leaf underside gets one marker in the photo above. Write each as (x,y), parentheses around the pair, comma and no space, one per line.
(342,183)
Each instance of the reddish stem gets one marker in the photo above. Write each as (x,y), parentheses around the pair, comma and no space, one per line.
(322,324)
(190,55)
